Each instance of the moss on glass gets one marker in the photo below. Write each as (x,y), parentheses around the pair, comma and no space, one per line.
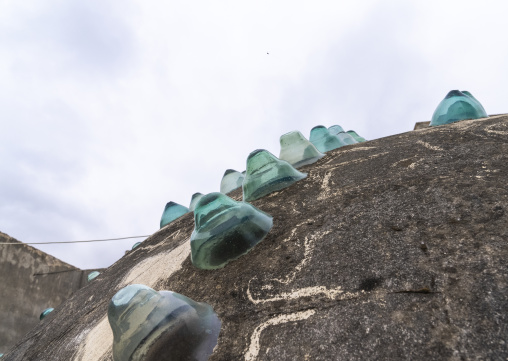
(160,326)
(194,200)
(457,106)
(93,275)
(225,229)
(323,140)
(266,174)
(46,312)
(231,180)
(297,150)
(171,212)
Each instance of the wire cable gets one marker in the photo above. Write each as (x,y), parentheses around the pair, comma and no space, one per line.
(92,240)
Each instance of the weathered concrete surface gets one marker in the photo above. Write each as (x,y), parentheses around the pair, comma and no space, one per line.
(421,125)
(393,249)
(30,282)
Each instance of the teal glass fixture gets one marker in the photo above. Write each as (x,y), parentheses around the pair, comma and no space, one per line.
(346,138)
(355,135)
(231,180)
(171,212)
(479,105)
(195,198)
(46,312)
(335,129)
(150,325)
(1,355)
(323,140)
(225,229)
(297,150)
(266,174)
(457,106)
(92,275)
(135,245)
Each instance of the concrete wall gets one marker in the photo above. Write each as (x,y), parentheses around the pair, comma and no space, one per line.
(30,282)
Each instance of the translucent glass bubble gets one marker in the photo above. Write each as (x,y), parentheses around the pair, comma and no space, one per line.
(92,275)
(195,198)
(231,180)
(46,312)
(297,150)
(161,326)
(171,212)
(457,106)
(335,129)
(355,135)
(323,140)
(266,174)
(225,230)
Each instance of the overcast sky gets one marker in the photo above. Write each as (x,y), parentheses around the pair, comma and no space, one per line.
(110,109)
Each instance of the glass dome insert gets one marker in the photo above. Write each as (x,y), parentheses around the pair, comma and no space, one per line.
(355,135)
(457,106)
(159,326)
(46,312)
(231,180)
(194,200)
(266,174)
(335,129)
(93,275)
(225,229)
(323,140)
(297,150)
(171,212)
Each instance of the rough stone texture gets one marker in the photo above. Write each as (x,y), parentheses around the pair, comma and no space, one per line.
(393,249)
(422,125)
(30,282)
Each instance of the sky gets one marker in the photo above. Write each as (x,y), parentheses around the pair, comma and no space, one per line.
(110,109)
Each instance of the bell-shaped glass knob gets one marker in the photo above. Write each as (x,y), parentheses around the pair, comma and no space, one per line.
(225,229)
(93,275)
(480,106)
(231,180)
(297,150)
(266,174)
(457,106)
(171,212)
(323,140)
(46,312)
(355,135)
(335,129)
(158,326)
(194,200)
